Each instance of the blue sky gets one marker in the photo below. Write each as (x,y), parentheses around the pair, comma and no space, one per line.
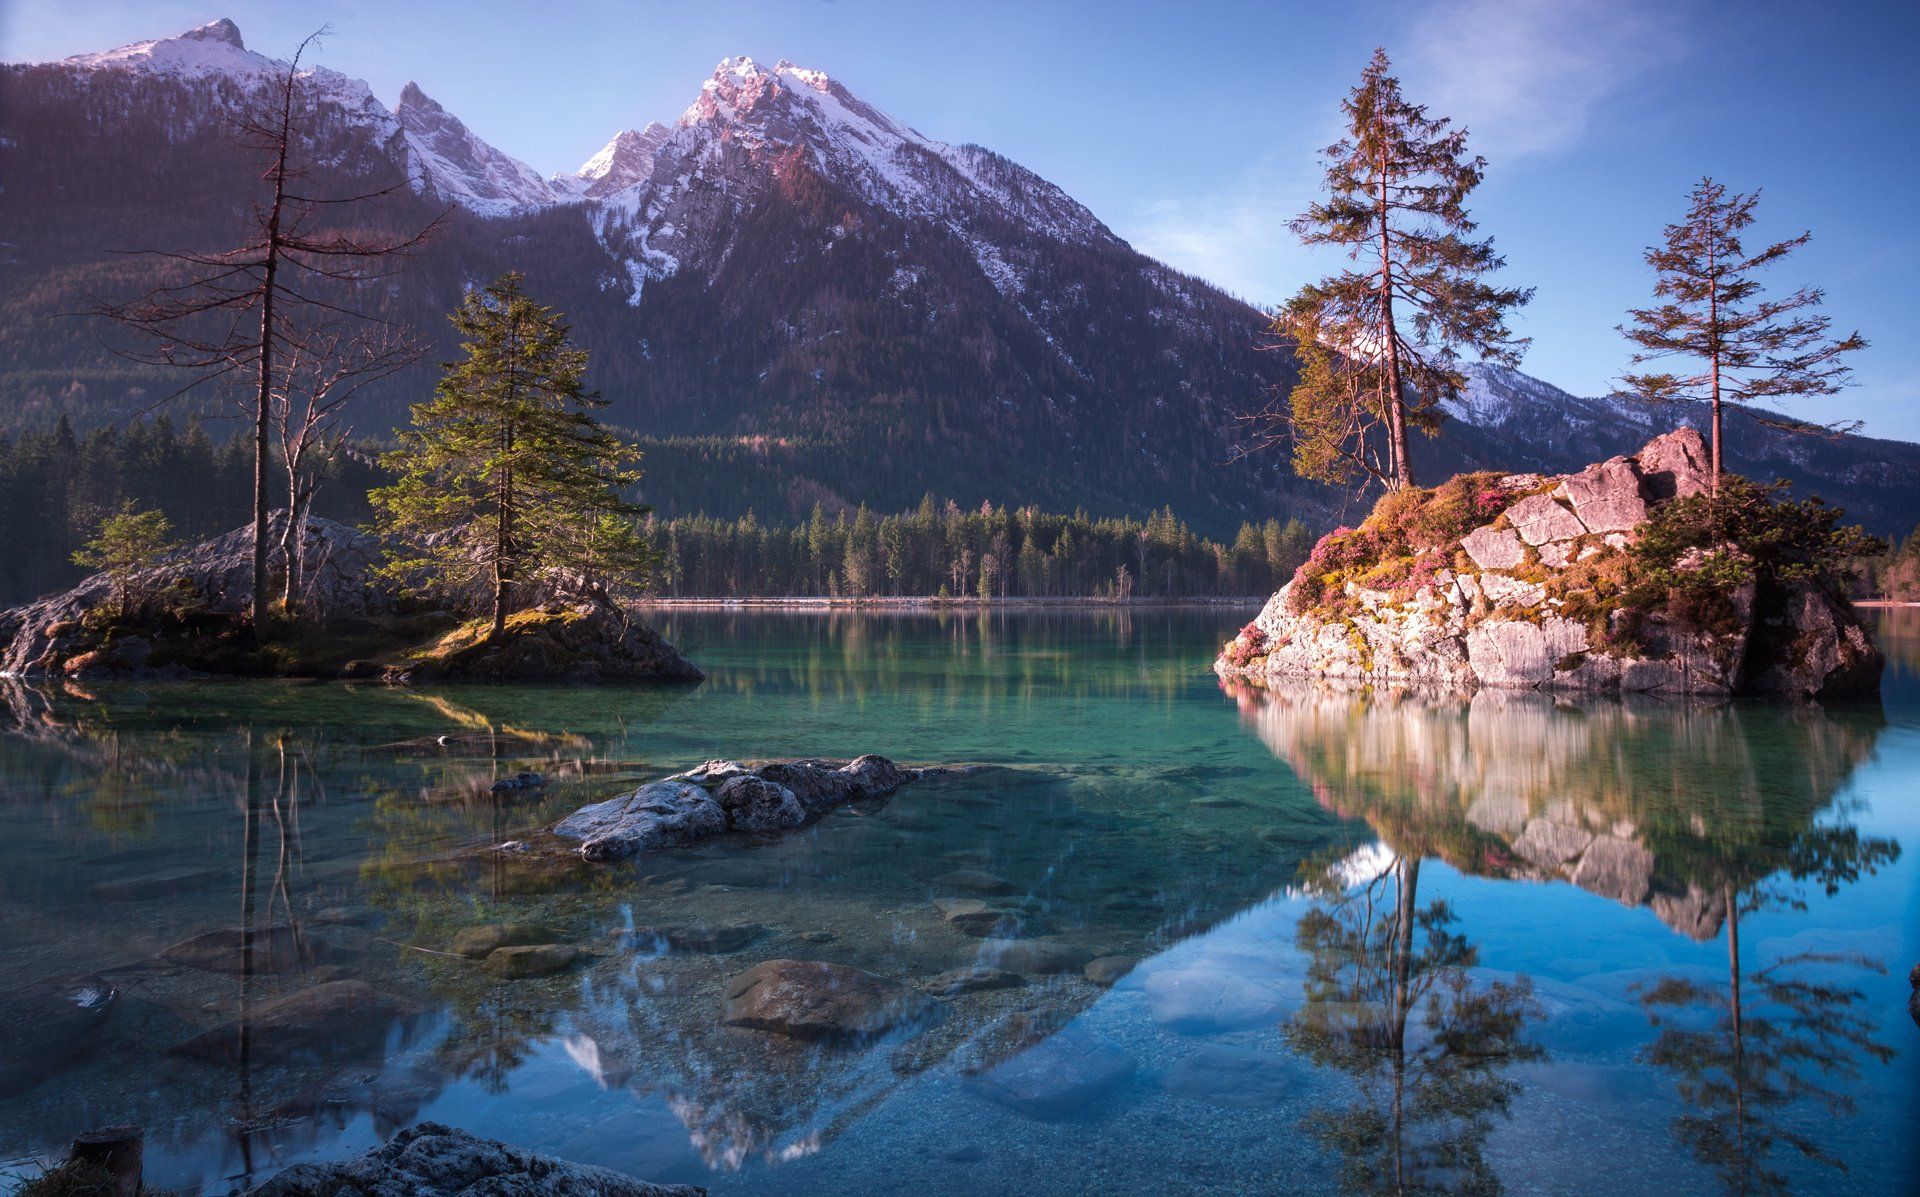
(1191,128)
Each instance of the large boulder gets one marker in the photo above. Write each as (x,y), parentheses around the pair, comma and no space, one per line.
(431,1160)
(721,796)
(1530,597)
(334,1021)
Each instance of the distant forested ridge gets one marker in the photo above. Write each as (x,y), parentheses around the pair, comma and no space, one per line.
(990,552)
(56,484)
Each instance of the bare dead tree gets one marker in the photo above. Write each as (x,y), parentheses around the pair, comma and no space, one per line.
(320,370)
(230,316)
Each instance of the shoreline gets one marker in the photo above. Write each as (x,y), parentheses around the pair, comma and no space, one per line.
(928,603)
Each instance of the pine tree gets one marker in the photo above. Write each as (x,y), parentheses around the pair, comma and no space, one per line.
(1380,347)
(124,543)
(506,478)
(1748,348)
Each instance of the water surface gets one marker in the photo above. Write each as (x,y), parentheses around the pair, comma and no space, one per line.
(1386,943)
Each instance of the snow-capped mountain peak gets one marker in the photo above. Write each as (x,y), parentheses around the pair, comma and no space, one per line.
(626,160)
(460,166)
(215,48)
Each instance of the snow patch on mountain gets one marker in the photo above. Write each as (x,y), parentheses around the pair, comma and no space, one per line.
(460,167)
(623,162)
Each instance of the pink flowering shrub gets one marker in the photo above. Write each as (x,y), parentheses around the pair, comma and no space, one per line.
(1247,647)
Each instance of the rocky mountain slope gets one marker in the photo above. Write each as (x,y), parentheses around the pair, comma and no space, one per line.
(793,296)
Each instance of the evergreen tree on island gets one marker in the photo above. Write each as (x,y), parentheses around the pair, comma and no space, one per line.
(1747,348)
(1379,344)
(506,478)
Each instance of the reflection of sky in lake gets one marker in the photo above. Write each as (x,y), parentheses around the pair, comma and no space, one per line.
(1151,816)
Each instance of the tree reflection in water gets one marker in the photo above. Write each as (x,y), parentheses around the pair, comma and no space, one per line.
(1390,1003)
(1706,814)
(1744,1054)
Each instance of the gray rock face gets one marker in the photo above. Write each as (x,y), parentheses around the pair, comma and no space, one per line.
(431,1160)
(812,999)
(1500,624)
(722,796)
(1539,519)
(1494,548)
(1616,868)
(337,563)
(660,814)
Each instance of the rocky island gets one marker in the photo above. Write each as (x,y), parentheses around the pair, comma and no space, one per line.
(1628,576)
(189,608)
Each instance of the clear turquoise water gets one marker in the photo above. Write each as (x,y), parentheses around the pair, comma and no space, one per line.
(1557,1019)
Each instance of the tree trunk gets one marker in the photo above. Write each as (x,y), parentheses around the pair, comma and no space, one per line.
(292,544)
(1713,346)
(1401,470)
(263,402)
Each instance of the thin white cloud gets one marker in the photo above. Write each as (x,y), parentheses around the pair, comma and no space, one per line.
(1530,77)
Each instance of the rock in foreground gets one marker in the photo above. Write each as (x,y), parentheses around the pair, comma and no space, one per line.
(1579,582)
(722,796)
(812,999)
(431,1160)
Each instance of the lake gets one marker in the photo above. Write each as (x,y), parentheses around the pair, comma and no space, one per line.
(1378,943)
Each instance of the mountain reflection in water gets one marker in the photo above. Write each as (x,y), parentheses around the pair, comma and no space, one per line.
(1466,946)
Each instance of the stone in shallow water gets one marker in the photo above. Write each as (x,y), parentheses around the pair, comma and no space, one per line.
(971,916)
(1040,957)
(1106,970)
(276,949)
(155,885)
(663,814)
(1205,1001)
(331,1021)
(46,1025)
(813,999)
(1230,1076)
(431,1160)
(1057,1076)
(712,940)
(973,881)
(531,960)
(756,804)
(477,943)
(971,979)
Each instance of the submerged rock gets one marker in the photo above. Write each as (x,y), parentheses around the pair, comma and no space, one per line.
(337,1020)
(1535,597)
(1042,957)
(1057,1076)
(812,999)
(972,978)
(721,796)
(477,943)
(431,1160)
(1230,1076)
(971,916)
(47,1025)
(1106,971)
(276,949)
(531,960)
